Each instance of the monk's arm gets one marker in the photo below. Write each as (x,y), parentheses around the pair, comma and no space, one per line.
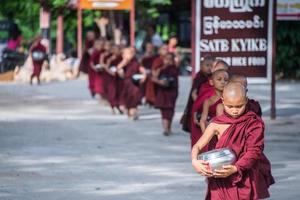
(204,115)
(204,140)
(202,166)
(254,147)
(194,94)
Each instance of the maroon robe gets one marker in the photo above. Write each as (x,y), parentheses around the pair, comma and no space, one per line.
(245,137)
(37,65)
(105,78)
(95,78)
(254,106)
(131,93)
(165,98)
(205,91)
(85,61)
(147,87)
(187,115)
(150,89)
(112,87)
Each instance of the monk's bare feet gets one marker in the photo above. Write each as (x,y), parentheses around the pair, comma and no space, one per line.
(120,110)
(167,133)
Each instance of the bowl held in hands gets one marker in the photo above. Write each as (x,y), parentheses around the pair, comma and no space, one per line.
(218,158)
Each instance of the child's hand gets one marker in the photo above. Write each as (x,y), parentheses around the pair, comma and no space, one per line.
(225,172)
(202,167)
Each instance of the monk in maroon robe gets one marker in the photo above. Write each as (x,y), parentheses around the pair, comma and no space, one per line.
(113,79)
(200,78)
(157,63)
(166,80)
(38,54)
(95,79)
(205,91)
(243,132)
(147,61)
(131,92)
(89,43)
(103,73)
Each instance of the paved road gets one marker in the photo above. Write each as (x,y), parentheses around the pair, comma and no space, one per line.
(57,143)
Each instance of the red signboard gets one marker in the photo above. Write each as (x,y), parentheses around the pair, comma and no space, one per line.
(239,32)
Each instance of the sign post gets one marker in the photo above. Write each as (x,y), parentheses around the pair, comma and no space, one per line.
(239,32)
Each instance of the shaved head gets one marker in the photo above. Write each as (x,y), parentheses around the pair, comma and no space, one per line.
(240,79)
(234,90)
(219,64)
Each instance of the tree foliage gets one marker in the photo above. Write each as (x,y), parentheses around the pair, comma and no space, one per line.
(288,51)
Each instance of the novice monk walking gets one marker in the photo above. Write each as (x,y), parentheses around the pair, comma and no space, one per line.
(166,91)
(212,106)
(243,132)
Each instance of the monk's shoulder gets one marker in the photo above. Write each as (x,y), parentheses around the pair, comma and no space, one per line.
(219,128)
(255,121)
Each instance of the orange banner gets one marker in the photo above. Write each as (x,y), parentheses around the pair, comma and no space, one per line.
(106,4)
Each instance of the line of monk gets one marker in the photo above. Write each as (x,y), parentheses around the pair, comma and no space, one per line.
(120,79)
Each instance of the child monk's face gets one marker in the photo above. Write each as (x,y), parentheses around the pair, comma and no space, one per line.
(149,47)
(128,53)
(98,45)
(219,80)
(163,50)
(169,60)
(108,45)
(234,99)
(206,67)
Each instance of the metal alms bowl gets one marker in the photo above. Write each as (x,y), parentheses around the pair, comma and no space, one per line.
(218,158)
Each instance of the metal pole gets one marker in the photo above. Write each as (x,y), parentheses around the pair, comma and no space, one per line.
(132,24)
(79,32)
(273,91)
(193,30)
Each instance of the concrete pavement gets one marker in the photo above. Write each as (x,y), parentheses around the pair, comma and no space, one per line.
(57,143)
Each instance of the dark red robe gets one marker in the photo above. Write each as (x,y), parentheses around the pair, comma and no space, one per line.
(165,98)
(186,118)
(105,78)
(112,87)
(131,95)
(150,89)
(147,62)
(85,60)
(206,91)
(95,78)
(37,65)
(254,106)
(245,137)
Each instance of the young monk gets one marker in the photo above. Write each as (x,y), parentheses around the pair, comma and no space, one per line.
(157,63)
(166,92)
(37,48)
(147,61)
(243,132)
(252,104)
(206,91)
(89,43)
(131,92)
(210,106)
(113,79)
(200,77)
(95,79)
(103,62)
